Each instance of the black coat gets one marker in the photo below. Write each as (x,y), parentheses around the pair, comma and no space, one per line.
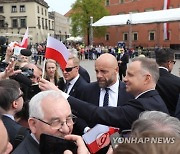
(121,116)
(27,146)
(168,87)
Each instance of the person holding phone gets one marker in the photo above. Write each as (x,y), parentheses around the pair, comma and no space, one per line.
(49,113)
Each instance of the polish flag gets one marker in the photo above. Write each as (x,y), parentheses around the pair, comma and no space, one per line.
(166,25)
(57,50)
(98,137)
(24,42)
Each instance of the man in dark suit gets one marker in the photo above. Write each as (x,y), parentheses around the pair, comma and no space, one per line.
(49,113)
(5,146)
(12,102)
(168,84)
(123,59)
(74,82)
(107,77)
(141,78)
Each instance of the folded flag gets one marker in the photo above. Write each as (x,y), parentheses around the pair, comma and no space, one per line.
(57,50)
(98,137)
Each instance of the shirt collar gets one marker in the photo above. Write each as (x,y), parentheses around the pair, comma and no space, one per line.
(164,68)
(114,88)
(10,116)
(72,82)
(143,93)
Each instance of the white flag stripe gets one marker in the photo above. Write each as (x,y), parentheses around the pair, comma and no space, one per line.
(92,135)
(58,46)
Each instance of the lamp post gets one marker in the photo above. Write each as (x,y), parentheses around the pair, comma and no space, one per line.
(91,31)
(129,22)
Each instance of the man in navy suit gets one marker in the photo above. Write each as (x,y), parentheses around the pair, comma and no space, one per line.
(141,78)
(168,84)
(12,102)
(49,113)
(107,77)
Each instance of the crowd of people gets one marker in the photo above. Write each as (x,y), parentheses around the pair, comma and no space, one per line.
(142,96)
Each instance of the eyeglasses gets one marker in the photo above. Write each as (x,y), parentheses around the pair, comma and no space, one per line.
(20,95)
(69,69)
(57,124)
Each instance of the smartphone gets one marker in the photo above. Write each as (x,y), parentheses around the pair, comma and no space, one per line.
(55,145)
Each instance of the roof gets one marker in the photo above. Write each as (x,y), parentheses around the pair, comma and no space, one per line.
(140,18)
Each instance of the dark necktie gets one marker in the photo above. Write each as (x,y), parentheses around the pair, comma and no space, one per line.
(106,97)
(67,86)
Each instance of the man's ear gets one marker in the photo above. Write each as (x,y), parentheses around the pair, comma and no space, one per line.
(14,105)
(147,79)
(32,125)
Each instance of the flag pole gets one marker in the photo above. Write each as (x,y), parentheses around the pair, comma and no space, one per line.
(44,64)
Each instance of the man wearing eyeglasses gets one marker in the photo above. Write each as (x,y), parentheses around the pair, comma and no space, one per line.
(12,102)
(168,84)
(49,113)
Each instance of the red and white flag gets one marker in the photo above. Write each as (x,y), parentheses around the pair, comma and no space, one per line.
(98,137)
(57,50)
(166,25)
(24,42)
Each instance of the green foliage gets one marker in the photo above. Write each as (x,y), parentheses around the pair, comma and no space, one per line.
(82,10)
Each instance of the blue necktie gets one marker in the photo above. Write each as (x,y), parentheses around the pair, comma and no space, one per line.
(106,97)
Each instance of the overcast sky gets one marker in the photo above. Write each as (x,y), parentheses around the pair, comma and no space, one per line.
(60,6)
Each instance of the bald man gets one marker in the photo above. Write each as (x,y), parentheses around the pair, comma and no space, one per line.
(106,67)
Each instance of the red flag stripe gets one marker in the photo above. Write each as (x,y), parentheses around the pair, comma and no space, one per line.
(56,55)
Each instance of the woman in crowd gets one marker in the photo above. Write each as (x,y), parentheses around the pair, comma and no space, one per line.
(52,75)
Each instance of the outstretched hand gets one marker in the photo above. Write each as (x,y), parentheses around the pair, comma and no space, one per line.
(9,71)
(46,85)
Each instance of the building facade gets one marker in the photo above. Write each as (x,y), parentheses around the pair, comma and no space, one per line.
(17,15)
(145,35)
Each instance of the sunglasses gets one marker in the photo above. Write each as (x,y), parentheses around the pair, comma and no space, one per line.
(69,69)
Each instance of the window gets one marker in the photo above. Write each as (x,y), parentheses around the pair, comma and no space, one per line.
(107,2)
(42,23)
(39,25)
(1,23)
(1,9)
(151,36)
(45,13)
(13,8)
(23,23)
(42,11)
(22,8)
(135,36)
(49,25)
(107,37)
(125,36)
(14,23)
(46,26)
(121,1)
(38,9)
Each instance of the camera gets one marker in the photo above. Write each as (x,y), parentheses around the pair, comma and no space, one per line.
(27,72)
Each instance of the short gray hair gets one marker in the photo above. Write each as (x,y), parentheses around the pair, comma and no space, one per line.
(149,65)
(154,120)
(35,104)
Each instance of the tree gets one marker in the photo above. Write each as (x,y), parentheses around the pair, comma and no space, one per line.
(82,10)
